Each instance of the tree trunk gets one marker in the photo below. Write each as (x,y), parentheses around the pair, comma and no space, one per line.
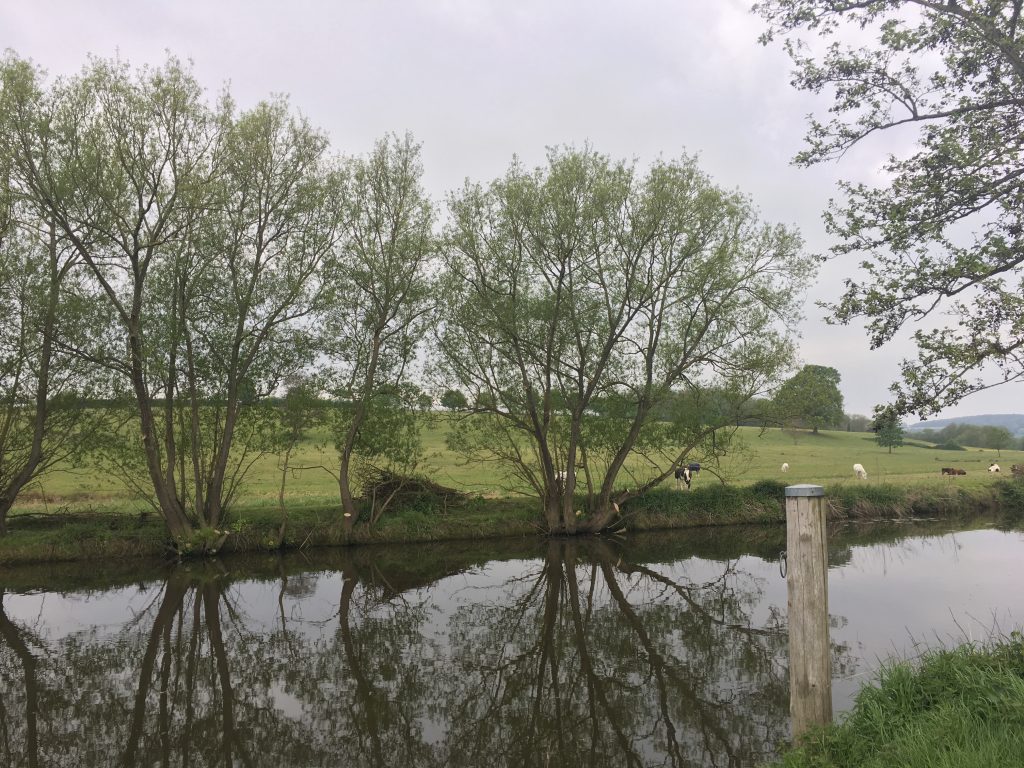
(552,508)
(348,504)
(170,505)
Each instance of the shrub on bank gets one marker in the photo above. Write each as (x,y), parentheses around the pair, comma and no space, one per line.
(52,538)
(711,504)
(962,707)
(863,500)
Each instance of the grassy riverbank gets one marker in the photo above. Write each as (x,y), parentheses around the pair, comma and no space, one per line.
(97,535)
(960,708)
(85,513)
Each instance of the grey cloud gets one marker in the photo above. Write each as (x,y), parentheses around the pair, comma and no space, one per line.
(478,81)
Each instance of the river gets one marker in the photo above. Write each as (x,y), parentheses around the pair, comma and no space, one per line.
(665,649)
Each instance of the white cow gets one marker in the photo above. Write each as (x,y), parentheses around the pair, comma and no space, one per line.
(994,467)
(785,466)
(860,472)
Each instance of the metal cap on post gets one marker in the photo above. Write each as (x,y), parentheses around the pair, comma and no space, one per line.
(804,490)
(810,673)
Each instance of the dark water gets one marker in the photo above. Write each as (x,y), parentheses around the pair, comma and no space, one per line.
(665,649)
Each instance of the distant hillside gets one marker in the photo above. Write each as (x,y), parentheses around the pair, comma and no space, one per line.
(1012,421)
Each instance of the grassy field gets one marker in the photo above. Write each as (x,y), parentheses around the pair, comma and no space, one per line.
(826,458)
(87,514)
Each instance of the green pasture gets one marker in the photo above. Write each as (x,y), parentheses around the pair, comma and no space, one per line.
(826,458)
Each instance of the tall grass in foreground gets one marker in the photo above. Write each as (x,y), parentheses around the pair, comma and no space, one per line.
(959,708)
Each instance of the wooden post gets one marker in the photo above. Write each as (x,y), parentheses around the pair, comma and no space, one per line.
(810,673)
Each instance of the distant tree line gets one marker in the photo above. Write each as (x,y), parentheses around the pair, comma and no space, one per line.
(229,283)
(972,435)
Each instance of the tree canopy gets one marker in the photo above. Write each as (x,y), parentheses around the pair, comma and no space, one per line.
(579,295)
(204,230)
(811,398)
(888,428)
(454,400)
(945,236)
(229,283)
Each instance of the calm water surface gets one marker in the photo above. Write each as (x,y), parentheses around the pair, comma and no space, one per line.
(666,649)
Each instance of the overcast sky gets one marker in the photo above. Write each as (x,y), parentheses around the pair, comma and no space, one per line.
(477,81)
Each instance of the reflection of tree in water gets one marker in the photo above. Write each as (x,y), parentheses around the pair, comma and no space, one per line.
(188,682)
(19,693)
(365,688)
(597,661)
(590,660)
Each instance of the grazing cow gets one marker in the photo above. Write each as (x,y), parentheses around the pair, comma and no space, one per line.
(785,466)
(860,472)
(994,467)
(685,474)
(953,471)
(1017,469)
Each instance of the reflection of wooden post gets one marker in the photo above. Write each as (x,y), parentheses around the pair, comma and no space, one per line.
(810,674)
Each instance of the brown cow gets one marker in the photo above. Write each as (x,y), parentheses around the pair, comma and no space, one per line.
(953,471)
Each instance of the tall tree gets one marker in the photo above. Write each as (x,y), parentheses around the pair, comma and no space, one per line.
(954,71)
(584,284)
(379,308)
(205,230)
(811,398)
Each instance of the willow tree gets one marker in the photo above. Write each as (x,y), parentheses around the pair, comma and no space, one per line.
(378,306)
(580,296)
(47,325)
(941,239)
(204,229)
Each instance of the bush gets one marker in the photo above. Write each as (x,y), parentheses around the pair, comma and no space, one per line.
(771,489)
(949,446)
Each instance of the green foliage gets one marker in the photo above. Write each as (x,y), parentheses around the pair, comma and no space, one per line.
(888,428)
(389,431)
(855,422)
(996,438)
(47,314)
(962,707)
(454,400)
(811,398)
(1013,495)
(377,310)
(584,297)
(954,72)
(204,230)
(772,489)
